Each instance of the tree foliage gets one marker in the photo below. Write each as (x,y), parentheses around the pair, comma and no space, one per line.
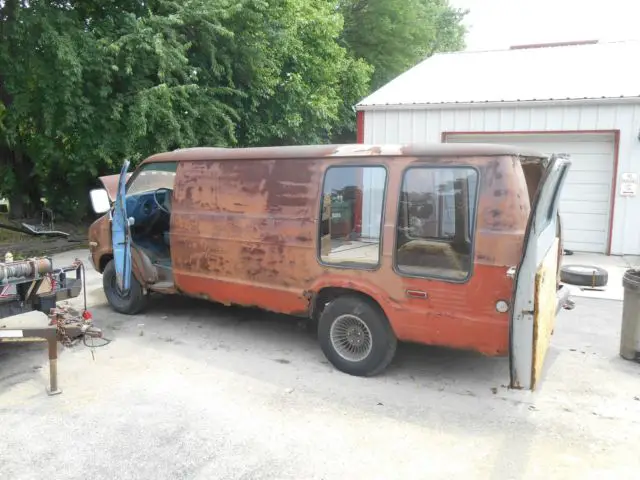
(87,83)
(394,35)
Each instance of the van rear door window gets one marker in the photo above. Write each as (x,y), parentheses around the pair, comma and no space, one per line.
(351,216)
(436,222)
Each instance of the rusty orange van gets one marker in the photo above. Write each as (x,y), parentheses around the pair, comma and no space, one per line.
(452,245)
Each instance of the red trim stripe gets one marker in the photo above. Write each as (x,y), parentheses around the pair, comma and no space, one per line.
(360,126)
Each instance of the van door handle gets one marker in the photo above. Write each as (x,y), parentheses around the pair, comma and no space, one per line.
(416,294)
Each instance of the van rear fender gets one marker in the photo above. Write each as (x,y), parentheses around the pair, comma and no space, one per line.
(331,286)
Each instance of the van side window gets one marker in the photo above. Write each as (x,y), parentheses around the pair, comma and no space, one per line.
(436,222)
(351,215)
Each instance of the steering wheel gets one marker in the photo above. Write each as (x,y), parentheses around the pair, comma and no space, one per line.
(163,205)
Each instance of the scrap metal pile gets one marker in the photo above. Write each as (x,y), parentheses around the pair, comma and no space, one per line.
(29,311)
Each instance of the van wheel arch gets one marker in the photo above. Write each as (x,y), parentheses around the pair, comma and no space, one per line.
(104,261)
(325,295)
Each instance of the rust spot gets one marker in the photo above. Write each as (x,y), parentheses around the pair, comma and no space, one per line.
(203,264)
(272,238)
(253,250)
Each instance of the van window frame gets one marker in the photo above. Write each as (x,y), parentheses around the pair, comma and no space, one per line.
(142,166)
(353,266)
(472,254)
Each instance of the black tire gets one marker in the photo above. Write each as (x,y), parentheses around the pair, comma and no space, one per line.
(383,342)
(131,304)
(584,275)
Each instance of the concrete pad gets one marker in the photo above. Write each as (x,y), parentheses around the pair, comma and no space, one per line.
(194,390)
(213,392)
(33,319)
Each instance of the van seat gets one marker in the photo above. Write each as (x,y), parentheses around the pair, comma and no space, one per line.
(421,252)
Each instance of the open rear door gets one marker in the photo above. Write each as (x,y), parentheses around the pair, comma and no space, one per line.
(536,299)
(121,235)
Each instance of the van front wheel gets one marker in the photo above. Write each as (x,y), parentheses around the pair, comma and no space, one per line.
(356,337)
(130,303)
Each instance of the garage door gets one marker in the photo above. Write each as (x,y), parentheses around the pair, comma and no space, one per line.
(585,204)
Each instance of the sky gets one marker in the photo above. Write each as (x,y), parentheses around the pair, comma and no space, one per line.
(496,24)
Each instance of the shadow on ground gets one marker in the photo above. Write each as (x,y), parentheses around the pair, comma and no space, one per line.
(275,332)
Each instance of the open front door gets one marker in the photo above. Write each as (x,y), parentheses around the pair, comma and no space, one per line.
(536,300)
(121,235)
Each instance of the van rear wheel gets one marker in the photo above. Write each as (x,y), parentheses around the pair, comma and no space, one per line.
(356,337)
(130,303)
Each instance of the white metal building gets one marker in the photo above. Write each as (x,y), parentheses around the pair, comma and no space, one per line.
(580,99)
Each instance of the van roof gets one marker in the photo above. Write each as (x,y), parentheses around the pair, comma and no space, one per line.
(349,150)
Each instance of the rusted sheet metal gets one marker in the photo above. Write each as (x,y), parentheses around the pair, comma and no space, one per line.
(433,150)
(247,222)
(246,232)
(100,247)
(110,183)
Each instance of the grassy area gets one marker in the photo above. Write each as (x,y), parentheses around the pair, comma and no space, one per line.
(23,245)
(7,236)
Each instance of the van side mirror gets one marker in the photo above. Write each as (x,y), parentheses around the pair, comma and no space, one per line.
(100,200)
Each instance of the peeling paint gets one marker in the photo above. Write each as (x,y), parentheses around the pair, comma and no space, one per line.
(244,231)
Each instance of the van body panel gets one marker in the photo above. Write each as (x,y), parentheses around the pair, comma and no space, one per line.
(100,248)
(233,292)
(456,315)
(250,223)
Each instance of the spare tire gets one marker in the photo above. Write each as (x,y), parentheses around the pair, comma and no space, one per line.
(584,275)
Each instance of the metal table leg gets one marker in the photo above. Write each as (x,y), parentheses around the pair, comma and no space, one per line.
(53,367)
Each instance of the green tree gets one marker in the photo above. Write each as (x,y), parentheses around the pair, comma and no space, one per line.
(296,77)
(394,35)
(86,83)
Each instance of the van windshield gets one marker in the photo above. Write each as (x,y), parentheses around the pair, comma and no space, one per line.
(152,177)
